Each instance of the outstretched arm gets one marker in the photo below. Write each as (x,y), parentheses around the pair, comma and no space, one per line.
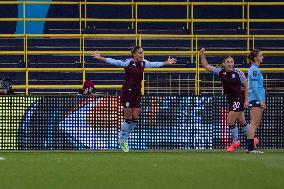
(169,61)
(120,63)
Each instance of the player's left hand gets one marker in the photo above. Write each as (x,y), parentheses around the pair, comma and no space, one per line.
(96,54)
(246,104)
(170,61)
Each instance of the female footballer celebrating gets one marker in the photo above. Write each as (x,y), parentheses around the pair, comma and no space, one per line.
(256,96)
(232,80)
(131,90)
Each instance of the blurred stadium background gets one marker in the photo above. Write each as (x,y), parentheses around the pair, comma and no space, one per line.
(45,50)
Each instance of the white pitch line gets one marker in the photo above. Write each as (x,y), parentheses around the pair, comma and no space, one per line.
(1,158)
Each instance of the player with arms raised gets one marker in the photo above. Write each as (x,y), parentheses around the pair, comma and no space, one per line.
(131,90)
(232,80)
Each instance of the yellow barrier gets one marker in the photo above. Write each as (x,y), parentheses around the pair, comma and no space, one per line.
(82,53)
(65,86)
(176,70)
(196,70)
(137,20)
(109,53)
(189,20)
(134,9)
(144,3)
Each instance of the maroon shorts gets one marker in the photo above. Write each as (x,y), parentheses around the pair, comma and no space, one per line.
(130,100)
(236,104)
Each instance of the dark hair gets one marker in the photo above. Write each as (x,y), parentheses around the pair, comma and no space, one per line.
(135,49)
(224,60)
(252,55)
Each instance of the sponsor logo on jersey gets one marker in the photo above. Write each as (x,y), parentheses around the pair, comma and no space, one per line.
(233,76)
(254,73)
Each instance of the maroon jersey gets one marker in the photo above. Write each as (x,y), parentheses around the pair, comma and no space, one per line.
(133,77)
(232,81)
(133,74)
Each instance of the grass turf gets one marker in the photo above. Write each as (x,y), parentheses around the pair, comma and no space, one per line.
(115,170)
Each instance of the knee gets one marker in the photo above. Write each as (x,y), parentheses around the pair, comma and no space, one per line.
(128,117)
(230,123)
(242,122)
(254,123)
(135,117)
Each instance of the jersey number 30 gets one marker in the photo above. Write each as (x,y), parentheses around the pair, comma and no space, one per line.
(236,105)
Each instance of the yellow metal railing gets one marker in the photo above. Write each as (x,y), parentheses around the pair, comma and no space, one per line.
(82,53)
(196,70)
(190,20)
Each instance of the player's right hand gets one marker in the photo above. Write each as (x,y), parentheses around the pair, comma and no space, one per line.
(170,61)
(262,104)
(202,51)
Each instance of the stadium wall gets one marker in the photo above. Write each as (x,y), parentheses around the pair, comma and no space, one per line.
(93,122)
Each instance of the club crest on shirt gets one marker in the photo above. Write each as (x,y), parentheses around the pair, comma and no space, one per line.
(137,64)
(127,104)
(254,73)
(233,76)
(225,73)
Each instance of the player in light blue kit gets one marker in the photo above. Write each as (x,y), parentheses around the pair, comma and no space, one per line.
(256,96)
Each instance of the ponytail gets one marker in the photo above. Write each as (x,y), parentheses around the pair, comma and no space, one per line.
(252,55)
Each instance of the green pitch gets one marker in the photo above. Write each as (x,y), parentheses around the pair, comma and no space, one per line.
(115,170)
